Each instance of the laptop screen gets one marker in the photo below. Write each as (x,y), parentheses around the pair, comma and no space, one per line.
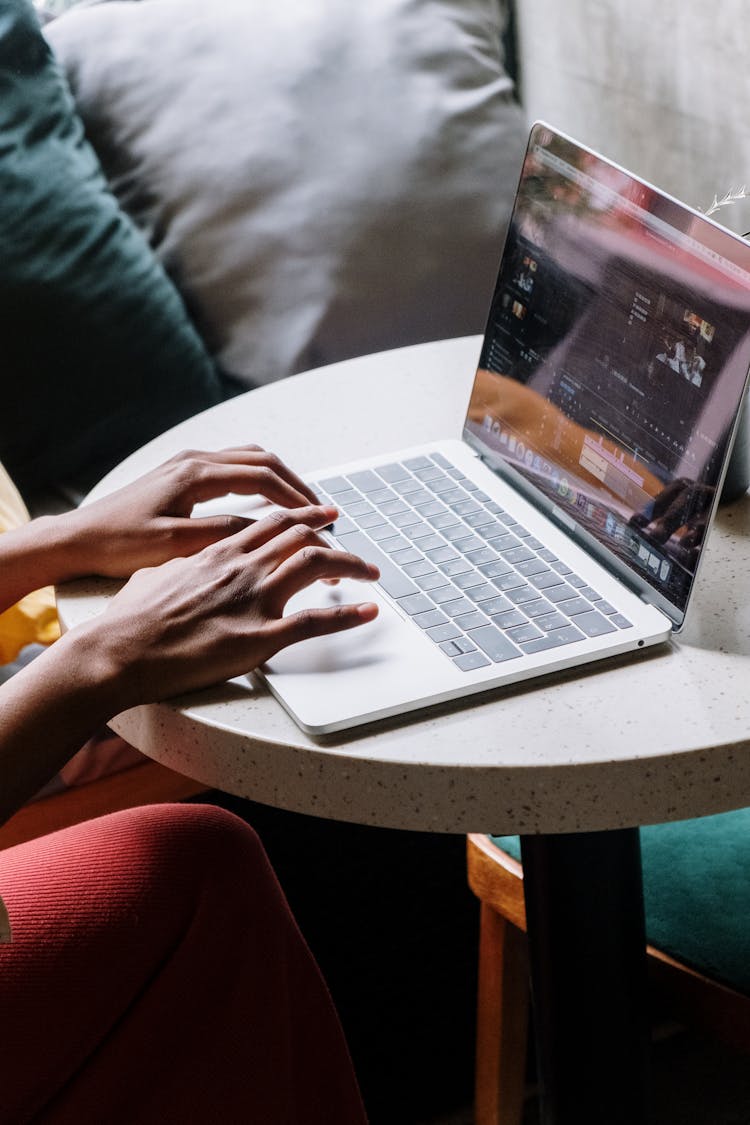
(614,361)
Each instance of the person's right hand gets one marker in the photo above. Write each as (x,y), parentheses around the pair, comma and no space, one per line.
(196,621)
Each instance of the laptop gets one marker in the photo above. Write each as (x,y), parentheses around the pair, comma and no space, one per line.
(568,523)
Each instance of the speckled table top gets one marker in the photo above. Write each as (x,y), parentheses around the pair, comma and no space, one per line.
(657,736)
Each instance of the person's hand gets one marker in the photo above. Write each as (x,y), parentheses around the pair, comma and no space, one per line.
(678,519)
(149,521)
(196,621)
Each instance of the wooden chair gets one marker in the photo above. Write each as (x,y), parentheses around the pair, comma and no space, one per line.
(496,878)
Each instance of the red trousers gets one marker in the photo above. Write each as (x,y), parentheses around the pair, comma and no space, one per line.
(156,975)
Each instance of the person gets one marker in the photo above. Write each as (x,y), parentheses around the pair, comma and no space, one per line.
(151,970)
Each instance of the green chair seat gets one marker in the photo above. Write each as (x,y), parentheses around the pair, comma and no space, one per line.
(696,885)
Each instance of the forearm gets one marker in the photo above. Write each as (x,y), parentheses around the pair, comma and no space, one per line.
(40,553)
(48,711)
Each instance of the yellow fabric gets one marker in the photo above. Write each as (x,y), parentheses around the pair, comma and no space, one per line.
(34,618)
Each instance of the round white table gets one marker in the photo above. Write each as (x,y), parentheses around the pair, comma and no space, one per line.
(657,736)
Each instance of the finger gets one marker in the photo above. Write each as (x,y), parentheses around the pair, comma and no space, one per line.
(309,623)
(188,536)
(245,471)
(313,563)
(271,527)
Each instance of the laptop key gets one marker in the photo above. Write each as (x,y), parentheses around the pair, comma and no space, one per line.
(538,608)
(494,643)
(392,472)
(383,531)
(471,660)
(415,603)
(447,593)
(595,624)
(395,543)
(468,579)
(418,568)
(373,519)
(532,566)
(348,497)
(335,484)
(481,556)
(621,622)
(482,593)
(417,463)
(522,594)
(545,581)
(440,486)
(429,472)
(431,508)
(366,480)
(457,607)
(457,533)
(393,580)
(495,569)
(550,622)
(429,619)
(444,519)
(344,524)
(405,519)
(406,487)
(468,507)
(381,496)
(418,529)
(555,639)
(360,508)
(441,459)
(433,581)
(454,567)
(469,621)
(498,604)
(440,554)
(517,554)
(508,618)
(447,632)
(430,542)
(573,606)
(507,582)
(527,632)
(560,593)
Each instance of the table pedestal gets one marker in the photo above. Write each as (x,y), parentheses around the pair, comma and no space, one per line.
(587,947)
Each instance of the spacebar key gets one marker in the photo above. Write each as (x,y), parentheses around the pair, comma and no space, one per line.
(393,580)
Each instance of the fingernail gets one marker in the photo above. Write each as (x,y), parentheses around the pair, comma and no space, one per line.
(367,610)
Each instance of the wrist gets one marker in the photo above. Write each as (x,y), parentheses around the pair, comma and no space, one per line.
(94,670)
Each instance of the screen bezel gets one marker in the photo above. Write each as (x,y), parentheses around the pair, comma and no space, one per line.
(629,575)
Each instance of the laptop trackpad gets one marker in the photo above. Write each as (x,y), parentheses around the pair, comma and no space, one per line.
(366,645)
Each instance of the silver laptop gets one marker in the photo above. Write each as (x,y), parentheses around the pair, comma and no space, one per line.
(568,523)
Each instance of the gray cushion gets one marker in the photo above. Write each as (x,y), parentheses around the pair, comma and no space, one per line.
(321,179)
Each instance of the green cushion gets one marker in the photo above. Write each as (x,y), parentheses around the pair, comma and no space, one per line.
(696,885)
(98,353)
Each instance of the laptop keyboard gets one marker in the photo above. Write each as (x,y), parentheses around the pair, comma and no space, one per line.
(476,582)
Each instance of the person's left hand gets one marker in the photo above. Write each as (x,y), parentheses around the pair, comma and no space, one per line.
(149,521)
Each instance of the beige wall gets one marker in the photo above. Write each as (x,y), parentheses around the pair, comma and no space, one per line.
(662,86)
